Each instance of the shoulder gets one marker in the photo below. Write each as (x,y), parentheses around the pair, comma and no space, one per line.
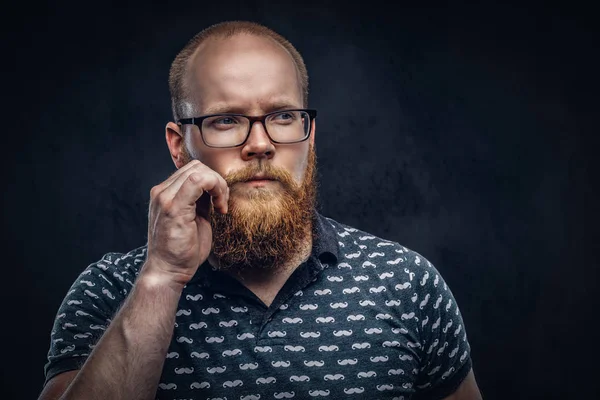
(373,251)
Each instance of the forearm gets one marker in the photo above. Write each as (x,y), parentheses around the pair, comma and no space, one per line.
(127,361)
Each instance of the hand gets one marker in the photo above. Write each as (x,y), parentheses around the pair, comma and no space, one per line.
(179,231)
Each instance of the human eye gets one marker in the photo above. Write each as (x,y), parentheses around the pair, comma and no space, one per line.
(285,116)
(223,122)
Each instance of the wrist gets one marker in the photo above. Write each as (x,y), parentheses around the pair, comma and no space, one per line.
(155,275)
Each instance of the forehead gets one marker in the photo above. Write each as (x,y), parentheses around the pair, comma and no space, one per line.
(242,73)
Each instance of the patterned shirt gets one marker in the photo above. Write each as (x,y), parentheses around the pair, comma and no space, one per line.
(362,315)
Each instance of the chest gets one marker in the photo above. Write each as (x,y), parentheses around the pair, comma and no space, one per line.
(315,344)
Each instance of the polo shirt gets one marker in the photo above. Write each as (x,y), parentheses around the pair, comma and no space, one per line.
(363,316)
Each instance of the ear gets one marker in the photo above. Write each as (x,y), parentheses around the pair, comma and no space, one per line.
(176,143)
(313,130)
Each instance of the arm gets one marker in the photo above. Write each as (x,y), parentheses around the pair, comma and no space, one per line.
(127,361)
(468,389)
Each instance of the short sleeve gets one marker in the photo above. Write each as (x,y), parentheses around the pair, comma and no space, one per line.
(86,312)
(446,353)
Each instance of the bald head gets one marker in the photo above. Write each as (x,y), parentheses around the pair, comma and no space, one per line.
(223,41)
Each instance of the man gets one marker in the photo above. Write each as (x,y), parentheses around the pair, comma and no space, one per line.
(243,289)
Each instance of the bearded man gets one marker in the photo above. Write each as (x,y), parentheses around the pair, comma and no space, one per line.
(243,290)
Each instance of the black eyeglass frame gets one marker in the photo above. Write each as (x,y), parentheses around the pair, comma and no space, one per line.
(312,114)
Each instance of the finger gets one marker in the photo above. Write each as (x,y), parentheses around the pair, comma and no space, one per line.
(177,174)
(175,186)
(198,183)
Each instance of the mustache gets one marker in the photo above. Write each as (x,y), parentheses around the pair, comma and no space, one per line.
(268,171)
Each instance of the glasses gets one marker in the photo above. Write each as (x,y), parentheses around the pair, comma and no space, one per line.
(232,130)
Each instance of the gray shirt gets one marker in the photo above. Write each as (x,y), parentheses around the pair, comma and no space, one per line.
(362,316)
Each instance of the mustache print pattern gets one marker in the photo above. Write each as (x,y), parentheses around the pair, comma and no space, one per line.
(247,366)
(344,265)
(410,315)
(425,277)
(441,349)
(411,274)
(354,390)
(301,378)
(448,325)
(436,324)
(351,290)
(392,343)
(210,310)
(423,303)
(182,339)
(348,361)
(436,281)
(446,374)
(414,297)
(358,317)
(376,254)
(343,234)
(216,370)
(425,321)
(353,255)
(434,371)
(457,331)
(373,331)
(329,348)
(413,345)
(342,333)
(228,324)
(402,286)
(284,395)
(332,377)
(78,313)
(167,386)
(288,320)
(324,320)
(194,297)
(382,388)
(317,393)
(88,283)
(364,345)
(398,371)
(365,303)
(283,307)
(184,370)
(335,278)
(293,348)
(392,303)
(74,302)
(386,275)
(437,302)
(183,312)
(215,339)
(230,384)
(96,327)
(263,349)
(202,356)
(305,307)
(67,349)
(368,374)
(383,316)
(199,385)
(310,334)
(382,244)
(396,261)
(218,296)
(360,278)
(244,336)
(368,264)
(368,237)
(279,334)
(338,305)
(453,352)
(231,353)
(250,397)
(105,279)
(322,292)
(280,364)
(377,289)
(199,325)
(299,293)
(82,335)
(314,363)
(464,356)
(107,293)
(379,359)
(449,304)
(265,381)
(239,309)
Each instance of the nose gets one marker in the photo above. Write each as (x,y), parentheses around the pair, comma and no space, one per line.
(258,144)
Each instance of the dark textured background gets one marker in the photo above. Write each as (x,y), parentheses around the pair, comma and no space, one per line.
(465,133)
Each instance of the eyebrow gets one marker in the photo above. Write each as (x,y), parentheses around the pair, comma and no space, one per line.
(225,108)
